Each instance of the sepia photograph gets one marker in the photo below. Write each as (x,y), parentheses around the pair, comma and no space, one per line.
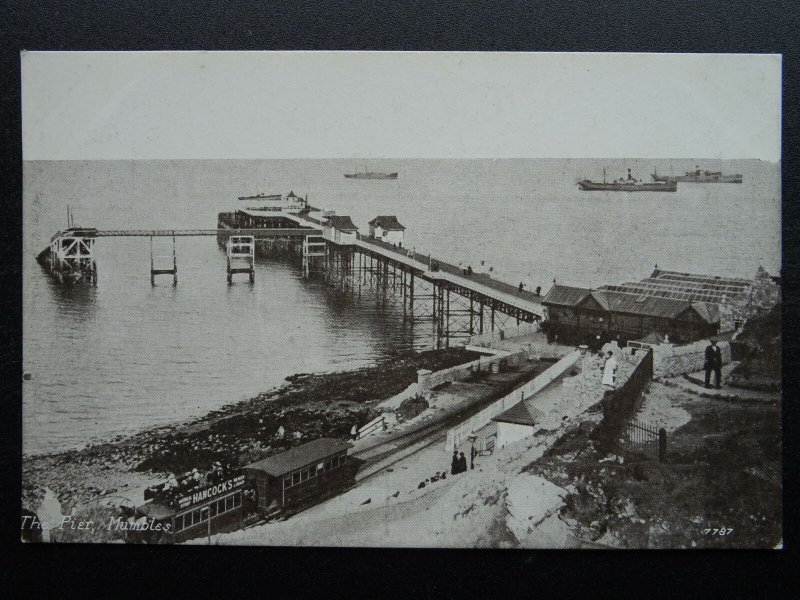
(402,299)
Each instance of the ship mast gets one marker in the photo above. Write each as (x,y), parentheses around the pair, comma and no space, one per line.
(604,174)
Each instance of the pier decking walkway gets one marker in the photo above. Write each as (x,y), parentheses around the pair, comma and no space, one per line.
(256,232)
(482,284)
(476,282)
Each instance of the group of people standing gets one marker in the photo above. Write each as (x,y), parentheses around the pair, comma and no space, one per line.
(459,463)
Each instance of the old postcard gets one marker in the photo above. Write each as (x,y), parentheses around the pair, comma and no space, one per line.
(495,300)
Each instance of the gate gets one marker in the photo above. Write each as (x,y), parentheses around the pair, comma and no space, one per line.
(646,438)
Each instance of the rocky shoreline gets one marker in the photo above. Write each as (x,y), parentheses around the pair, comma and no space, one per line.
(306,407)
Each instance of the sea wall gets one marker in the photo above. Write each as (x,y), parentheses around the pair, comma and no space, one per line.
(427,380)
(457,435)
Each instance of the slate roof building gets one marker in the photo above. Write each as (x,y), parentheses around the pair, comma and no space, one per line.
(683,306)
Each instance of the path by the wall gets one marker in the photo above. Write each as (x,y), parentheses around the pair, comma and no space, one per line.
(670,360)
(457,435)
(427,380)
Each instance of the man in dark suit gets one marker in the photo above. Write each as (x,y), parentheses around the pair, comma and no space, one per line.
(713,363)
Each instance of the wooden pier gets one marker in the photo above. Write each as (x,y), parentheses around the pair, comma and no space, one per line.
(458,304)
(69,256)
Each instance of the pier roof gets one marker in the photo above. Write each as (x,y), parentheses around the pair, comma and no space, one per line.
(299,456)
(387,222)
(342,223)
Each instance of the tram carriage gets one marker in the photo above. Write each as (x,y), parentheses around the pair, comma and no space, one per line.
(288,481)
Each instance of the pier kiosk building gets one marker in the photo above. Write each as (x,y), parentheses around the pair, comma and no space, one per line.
(387,229)
(340,229)
(301,475)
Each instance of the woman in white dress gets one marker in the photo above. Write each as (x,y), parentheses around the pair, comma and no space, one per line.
(610,370)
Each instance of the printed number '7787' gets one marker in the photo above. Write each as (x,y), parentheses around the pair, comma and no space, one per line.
(720,531)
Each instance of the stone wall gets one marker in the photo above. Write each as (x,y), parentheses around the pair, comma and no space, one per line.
(427,380)
(670,360)
(459,433)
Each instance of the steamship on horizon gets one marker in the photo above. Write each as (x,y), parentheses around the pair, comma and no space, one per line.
(370,175)
(630,184)
(698,176)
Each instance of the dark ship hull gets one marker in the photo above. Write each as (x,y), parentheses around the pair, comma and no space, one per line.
(371,175)
(598,186)
(699,177)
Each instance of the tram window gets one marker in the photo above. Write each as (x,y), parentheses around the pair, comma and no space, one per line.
(287,481)
(328,465)
(204,513)
(295,478)
(237,499)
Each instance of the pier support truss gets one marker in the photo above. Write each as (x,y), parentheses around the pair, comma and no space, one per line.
(163,268)
(240,250)
(70,257)
(314,255)
(456,313)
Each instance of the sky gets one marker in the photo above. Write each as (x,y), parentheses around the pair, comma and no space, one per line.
(251,105)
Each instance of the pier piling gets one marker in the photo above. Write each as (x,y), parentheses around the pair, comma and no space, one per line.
(173,270)
(240,253)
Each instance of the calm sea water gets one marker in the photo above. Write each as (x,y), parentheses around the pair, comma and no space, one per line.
(124,355)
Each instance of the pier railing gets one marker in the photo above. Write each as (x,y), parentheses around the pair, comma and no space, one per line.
(415,260)
(256,232)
